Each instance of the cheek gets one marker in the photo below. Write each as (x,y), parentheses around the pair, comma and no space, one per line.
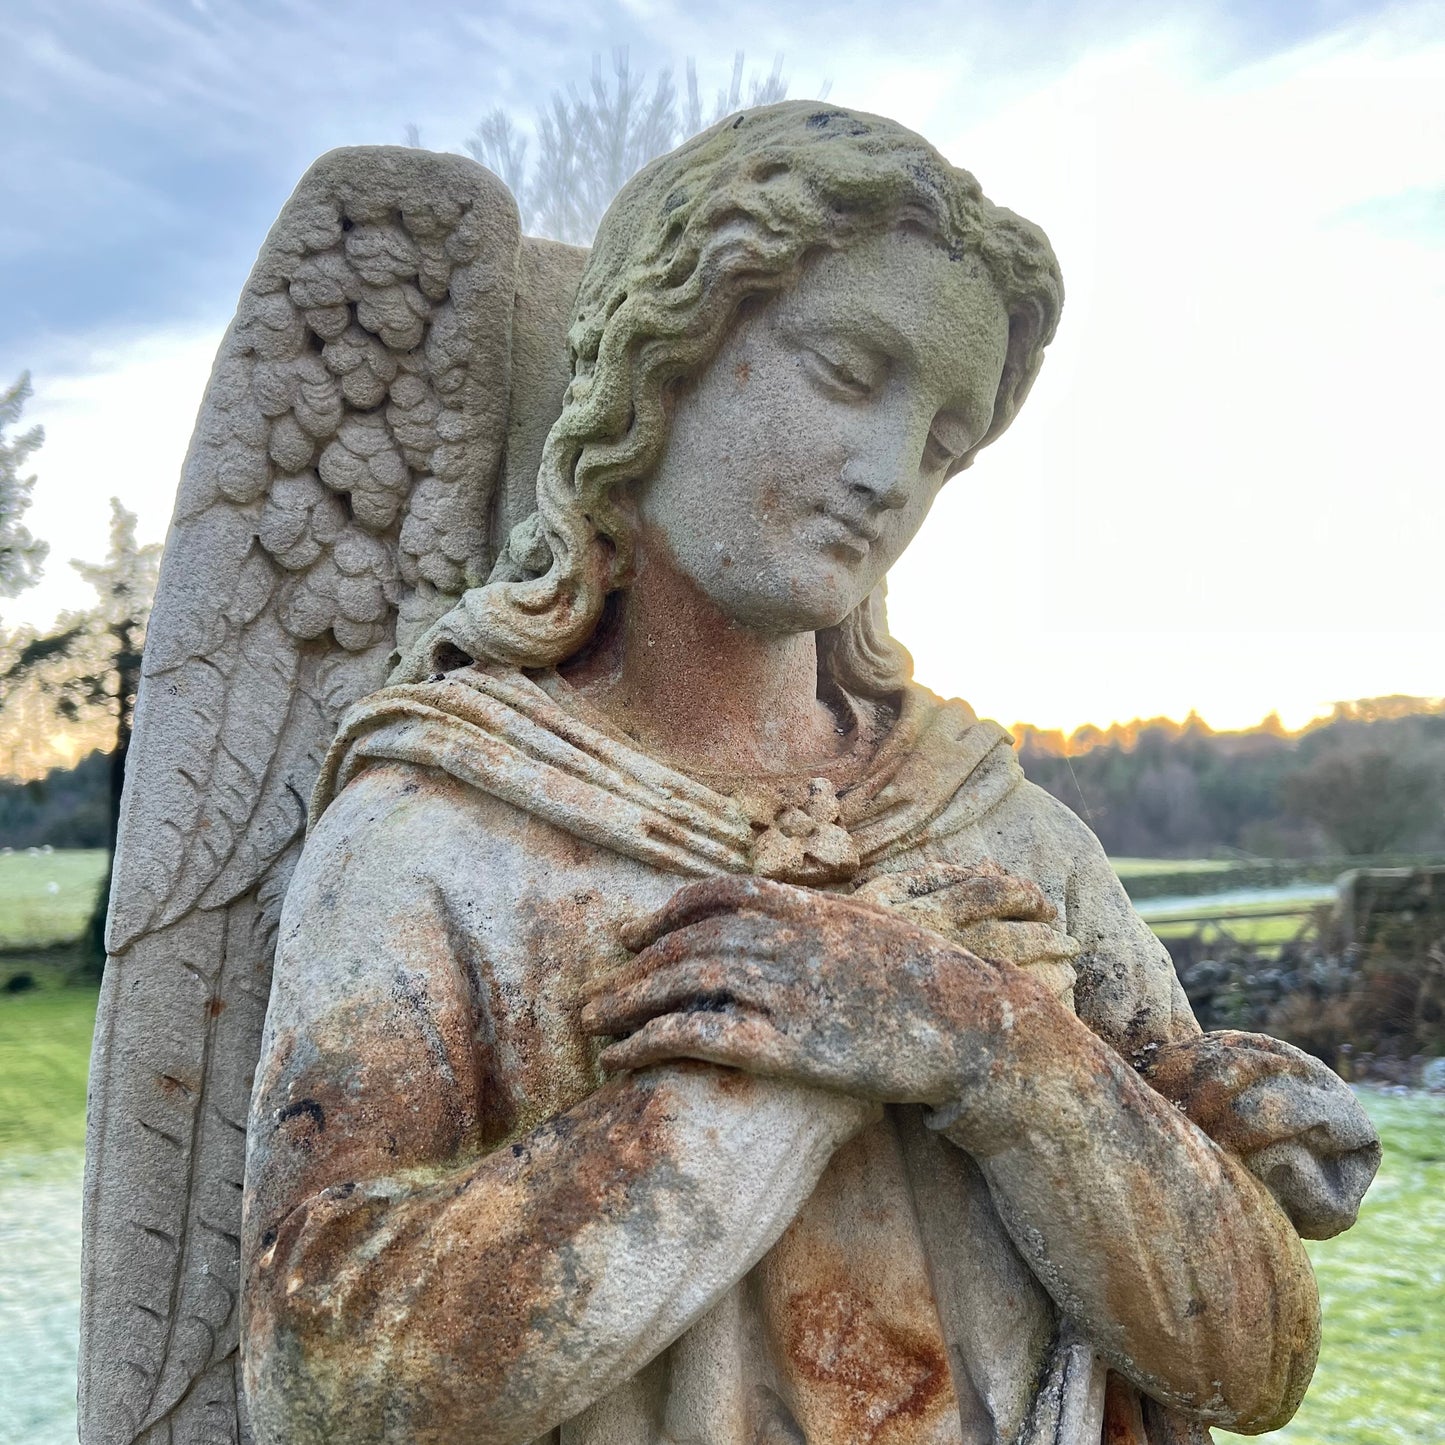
(786,444)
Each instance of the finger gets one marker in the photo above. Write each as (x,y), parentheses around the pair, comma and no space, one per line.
(698,901)
(892,889)
(1018,943)
(719,939)
(994,895)
(739,1041)
(960,893)
(689,986)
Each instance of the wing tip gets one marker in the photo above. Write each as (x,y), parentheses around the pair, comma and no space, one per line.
(342,163)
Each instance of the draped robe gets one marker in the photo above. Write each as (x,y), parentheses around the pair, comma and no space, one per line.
(441,1245)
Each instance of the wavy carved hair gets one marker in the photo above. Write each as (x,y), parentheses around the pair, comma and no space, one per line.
(731,215)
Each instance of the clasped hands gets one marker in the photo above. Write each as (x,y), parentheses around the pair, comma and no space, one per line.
(882,995)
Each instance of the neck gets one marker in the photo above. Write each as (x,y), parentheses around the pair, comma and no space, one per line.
(689,683)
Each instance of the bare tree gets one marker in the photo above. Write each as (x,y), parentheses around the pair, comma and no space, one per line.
(1366,799)
(761,90)
(588,144)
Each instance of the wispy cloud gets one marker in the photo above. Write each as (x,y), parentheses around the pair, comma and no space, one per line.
(1417,214)
(130,106)
(1233,432)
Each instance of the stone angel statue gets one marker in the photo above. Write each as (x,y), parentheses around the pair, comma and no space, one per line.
(568,983)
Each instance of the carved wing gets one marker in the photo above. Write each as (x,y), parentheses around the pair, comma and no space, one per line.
(341,490)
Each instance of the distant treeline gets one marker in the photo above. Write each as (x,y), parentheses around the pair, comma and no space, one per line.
(1367,781)
(1370,780)
(67,808)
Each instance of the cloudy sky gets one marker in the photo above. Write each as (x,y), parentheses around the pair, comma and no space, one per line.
(1226,490)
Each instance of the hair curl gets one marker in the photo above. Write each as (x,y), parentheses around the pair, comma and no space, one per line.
(731,215)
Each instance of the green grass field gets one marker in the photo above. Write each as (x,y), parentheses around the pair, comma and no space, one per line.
(46,898)
(44,1055)
(1144,867)
(1242,927)
(1381,1376)
(1250,933)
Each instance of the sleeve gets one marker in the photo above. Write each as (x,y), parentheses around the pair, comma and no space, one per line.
(1156,1179)
(1289,1119)
(417,1264)
(1127,991)
(1292,1122)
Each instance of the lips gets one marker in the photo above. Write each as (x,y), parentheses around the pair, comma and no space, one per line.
(854,533)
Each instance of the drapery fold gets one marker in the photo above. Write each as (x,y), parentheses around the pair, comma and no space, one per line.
(528,739)
(1023,1374)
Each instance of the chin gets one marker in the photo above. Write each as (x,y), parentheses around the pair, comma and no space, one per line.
(798,610)
(789,596)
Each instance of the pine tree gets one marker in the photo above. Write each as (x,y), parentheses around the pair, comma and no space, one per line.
(78,682)
(125,585)
(20,554)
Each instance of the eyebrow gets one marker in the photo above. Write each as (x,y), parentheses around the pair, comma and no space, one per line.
(866,326)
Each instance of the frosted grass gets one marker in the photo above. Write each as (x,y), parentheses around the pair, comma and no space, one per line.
(39,1296)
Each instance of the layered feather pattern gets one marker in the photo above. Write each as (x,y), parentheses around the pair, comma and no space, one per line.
(342,467)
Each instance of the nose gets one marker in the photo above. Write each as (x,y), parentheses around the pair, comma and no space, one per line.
(883,465)
(884,488)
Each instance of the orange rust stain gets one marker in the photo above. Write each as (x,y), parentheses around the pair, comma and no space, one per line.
(743,372)
(881,1379)
(476,1256)
(1206,1075)
(1123,1413)
(215,1007)
(734,1082)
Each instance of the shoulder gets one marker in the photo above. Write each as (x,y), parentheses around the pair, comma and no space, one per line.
(1127,990)
(397,805)
(400,842)
(1051,827)
(378,853)
(1029,830)
(397,819)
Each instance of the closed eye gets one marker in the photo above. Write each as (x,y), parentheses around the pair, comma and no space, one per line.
(838,376)
(948,440)
(936,456)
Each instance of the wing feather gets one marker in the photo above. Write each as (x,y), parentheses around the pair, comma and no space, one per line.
(256,703)
(340,478)
(203,1323)
(294,528)
(143,1129)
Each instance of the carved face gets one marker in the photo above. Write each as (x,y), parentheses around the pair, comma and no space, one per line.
(803,461)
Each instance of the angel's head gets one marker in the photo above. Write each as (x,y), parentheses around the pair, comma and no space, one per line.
(791,331)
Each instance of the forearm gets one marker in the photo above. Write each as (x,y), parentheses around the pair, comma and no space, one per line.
(497,1299)
(1171,1256)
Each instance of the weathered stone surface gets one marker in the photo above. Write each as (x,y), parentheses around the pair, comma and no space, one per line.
(297,541)
(684,1028)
